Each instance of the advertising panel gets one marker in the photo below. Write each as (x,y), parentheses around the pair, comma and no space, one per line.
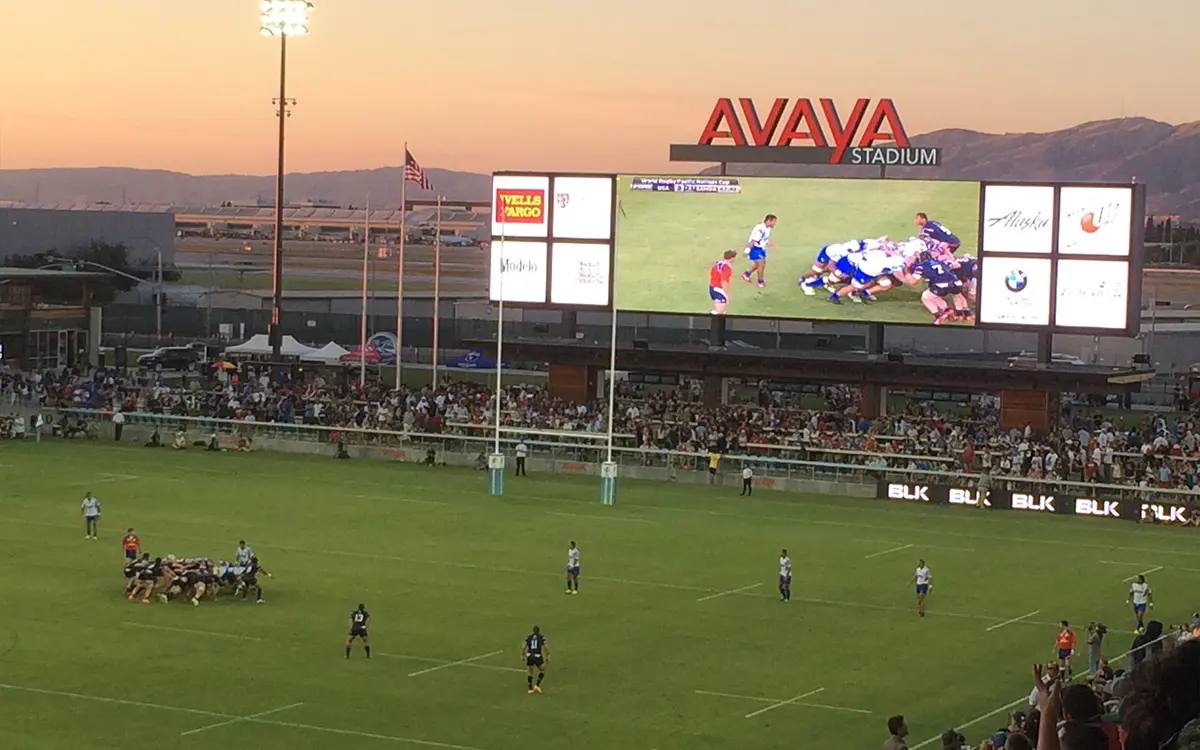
(518,271)
(1092,294)
(1095,220)
(1014,291)
(519,206)
(672,231)
(579,273)
(1018,219)
(582,208)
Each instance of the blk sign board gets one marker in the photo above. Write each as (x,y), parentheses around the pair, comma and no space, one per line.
(806,131)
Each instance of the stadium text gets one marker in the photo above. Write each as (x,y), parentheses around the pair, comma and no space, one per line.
(882,132)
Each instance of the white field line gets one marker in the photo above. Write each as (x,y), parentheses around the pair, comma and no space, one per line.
(599,518)
(217,715)
(394,499)
(780,704)
(240,719)
(1025,616)
(877,542)
(481,657)
(210,633)
(429,660)
(772,700)
(881,553)
(727,593)
(1155,569)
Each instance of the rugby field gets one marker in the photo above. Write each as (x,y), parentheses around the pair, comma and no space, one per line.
(666,242)
(677,640)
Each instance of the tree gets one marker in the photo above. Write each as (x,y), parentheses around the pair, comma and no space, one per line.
(103,290)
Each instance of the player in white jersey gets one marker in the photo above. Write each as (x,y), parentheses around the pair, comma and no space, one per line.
(873,273)
(90,509)
(923,578)
(785,577)
(572,569)
(1141,596)
(756,249)
(828,257)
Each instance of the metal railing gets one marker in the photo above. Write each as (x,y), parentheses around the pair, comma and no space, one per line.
(549,446)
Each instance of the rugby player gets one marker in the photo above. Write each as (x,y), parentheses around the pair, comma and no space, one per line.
(147,578)
(131,545)
(934,230)
(132,570)
(843,271)
(90,510)
(785,576)
(536,653)
(572,569)
(923,578)
(756,249)
(359,620)
(827,258)
(249,580)
(1065,643)
(243,553)
(943,284)
(874,272)
(1141,596)
(719,275)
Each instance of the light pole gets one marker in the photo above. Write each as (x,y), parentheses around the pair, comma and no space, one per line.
(281,18)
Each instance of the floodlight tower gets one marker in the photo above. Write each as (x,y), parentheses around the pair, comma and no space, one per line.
(281,18)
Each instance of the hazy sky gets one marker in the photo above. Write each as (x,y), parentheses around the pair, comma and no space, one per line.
(480,85)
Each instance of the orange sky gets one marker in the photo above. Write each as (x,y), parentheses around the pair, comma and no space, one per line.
(482,85)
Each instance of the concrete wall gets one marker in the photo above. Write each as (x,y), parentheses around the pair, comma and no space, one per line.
(34,230)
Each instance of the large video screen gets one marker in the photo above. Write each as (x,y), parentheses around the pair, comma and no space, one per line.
(854,250)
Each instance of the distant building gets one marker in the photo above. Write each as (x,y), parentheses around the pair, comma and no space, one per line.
(27,229)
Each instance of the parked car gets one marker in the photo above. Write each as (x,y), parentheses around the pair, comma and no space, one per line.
(170,358)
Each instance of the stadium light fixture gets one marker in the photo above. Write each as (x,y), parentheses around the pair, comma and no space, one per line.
(284,17)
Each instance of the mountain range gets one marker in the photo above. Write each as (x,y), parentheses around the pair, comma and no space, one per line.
(1165,157)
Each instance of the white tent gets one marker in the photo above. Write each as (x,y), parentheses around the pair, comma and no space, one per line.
(261,344)
(330,354)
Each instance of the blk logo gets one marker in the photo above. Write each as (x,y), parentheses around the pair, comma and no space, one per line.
(1085,506)
(970,497)
(1040,503)
(916,492)
(1164,513)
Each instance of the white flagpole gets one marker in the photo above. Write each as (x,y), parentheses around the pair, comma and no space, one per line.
(612,382)
(362,335)
(500,329)
(437,269)
(400,267)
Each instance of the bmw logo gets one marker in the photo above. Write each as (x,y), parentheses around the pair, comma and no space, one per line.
(1016,280)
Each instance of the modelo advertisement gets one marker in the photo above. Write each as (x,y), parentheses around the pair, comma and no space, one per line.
(1068,504)
(840,250)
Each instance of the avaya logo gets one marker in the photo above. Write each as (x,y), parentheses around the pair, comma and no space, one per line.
(1085,506)
(970,497)
(1040,503)
(916,492)
(1164,513)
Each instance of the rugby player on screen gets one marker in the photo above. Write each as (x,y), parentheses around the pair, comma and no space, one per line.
(719,275)
(827,258)
(934,230)
(943,297)
(756,249)
(874,273)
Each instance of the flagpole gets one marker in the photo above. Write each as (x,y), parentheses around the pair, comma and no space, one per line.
(499,330)
(362,334)
(437,268)
(400,267)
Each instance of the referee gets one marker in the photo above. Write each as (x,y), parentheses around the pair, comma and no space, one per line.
(747,481)
(522,451)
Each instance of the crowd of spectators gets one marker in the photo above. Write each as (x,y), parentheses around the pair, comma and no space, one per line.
(1147,449)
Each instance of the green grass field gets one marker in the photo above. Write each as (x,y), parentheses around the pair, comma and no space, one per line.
(666,242)
(677,640)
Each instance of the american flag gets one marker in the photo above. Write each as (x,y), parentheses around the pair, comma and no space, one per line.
(414,173)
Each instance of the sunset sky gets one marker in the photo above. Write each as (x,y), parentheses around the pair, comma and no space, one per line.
(481,85)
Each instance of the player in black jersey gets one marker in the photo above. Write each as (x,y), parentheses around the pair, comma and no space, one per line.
(250,580)
(359,620)
(537,655)
(132,569)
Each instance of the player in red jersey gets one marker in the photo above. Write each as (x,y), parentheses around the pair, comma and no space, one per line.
(719,275)
(131,544)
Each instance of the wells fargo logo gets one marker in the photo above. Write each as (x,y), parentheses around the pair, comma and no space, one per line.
(520,206)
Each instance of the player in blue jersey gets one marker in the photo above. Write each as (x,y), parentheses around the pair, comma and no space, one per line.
(943,297)
(756,249)
(827,258)
(966,269)
(937,232)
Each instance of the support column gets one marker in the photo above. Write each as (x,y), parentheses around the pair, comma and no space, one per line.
(570,323)
(716,336)
(712,391)
(1045,348)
